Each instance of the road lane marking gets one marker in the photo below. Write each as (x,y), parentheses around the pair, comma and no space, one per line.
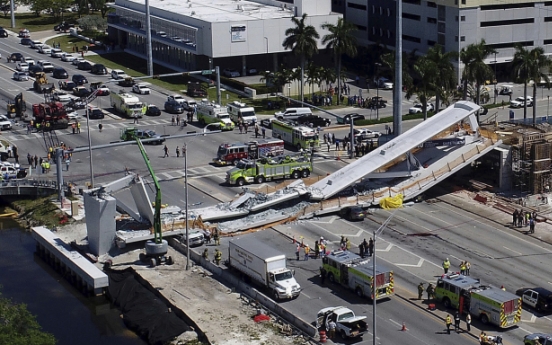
(418,265)
(512,250)
(532,320)
(395,322)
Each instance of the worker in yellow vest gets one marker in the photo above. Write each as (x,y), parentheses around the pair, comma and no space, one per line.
(446,265)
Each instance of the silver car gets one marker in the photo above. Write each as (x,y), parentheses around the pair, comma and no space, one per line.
(20,76)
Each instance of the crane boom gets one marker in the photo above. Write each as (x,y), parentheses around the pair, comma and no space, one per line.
(158,238)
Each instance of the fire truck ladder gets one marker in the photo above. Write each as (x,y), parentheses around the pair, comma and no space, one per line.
(50,139)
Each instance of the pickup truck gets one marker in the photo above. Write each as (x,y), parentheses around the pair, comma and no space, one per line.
(10,172)
(348,324)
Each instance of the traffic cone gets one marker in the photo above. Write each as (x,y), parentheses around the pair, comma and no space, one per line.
(403,327)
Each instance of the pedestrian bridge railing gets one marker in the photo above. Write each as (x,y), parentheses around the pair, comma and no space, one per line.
(28,187)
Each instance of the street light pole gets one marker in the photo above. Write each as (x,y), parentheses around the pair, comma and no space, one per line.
(494,81)
(378,65)
(89,146)
(185,149)
(548,106)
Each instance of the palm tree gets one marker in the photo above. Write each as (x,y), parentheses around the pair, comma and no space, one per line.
(388,61)
(475,69)
(301,39)
(314,75)
(527,65)
(445,79)
(424,88)
(342,41)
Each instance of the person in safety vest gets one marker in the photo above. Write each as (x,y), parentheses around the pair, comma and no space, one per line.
(446,265)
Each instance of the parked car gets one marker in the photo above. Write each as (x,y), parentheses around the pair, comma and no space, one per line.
(29,60)
(98,69)
(348,324)
(141,88)
(538,298)
(77,60)
(365,133)
(173,107)
(149,134)
(352,213)
(3,33)
(419,108)
(230,73)
(22,66)
(519,102)
(103,90)
(56,52)
(543,339)
(63,26)
(196,238)
(68,57)
(26,41)
(44,49)
(20,76)
(95,113)
(314,120)
(67,85)
(5,123)
(81,91)
(35,44)
(34,69)
(15,57)
(153,110)
(177,98)
(75,104)
(118,74)
(79,79)
(252,71)
(46,65)
(85,65)
(347,118)
(60,73)
(383,83)
(505,90)
(62,96)
(24,33)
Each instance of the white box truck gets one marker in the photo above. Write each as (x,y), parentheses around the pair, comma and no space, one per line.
(264,265)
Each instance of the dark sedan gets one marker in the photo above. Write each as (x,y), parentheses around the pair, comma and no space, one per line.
(153,110)
(84,66)
(149,134)
(353,213)
(34,69)
(81,91)
(15,57)
(79,79)
(26,41)
(60,73)
(3,33)
(347,118)
(67,85)
(173,107)
(313,120)
(98,69)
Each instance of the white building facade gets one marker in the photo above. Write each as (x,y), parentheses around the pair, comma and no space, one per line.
(200,34)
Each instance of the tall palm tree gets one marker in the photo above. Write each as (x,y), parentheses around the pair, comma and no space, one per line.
(475,69)
(425,86)
(301,39)
(445,79)
(342,41)
(314,75)
(388,62)
(527,65)
(327,76)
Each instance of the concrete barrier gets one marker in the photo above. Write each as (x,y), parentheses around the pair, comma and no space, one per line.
(248,290)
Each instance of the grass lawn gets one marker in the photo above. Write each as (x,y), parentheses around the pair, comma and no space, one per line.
(34,23)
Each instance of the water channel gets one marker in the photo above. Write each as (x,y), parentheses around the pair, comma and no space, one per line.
(59,308)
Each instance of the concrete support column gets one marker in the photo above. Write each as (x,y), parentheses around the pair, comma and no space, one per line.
(244,67)
(274,62)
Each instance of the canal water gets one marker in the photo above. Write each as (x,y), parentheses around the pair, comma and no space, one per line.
(60,309)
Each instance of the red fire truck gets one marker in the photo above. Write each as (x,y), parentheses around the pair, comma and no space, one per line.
(232,153)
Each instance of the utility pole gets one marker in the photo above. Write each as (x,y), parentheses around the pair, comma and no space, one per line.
(397,95)
(149,53)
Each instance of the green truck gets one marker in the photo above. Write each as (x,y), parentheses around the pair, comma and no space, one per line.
(208,112)
(488,303)
(270,168)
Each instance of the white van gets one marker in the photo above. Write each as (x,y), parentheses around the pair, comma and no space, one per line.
(240,111)
(292,113)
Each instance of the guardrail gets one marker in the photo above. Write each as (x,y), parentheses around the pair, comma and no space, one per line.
(32,187)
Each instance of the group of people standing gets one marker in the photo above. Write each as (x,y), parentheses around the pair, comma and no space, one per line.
(521,218)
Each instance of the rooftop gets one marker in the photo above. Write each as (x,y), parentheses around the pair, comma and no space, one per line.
(222,10)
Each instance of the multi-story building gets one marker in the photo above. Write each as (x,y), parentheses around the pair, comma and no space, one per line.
(200,34)
(454,24)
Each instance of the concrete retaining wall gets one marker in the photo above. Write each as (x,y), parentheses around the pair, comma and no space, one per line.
(246,289)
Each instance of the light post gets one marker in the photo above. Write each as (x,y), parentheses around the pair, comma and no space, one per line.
(378,65)
(266,38)
(494,81)
(548,106)
(374,285)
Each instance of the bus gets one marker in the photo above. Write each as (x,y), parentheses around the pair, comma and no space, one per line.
(298,136)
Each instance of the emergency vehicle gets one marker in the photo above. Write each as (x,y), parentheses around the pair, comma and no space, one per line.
(488,303)
(127,104)
(208,112)
(357,274)
(234,152)
(269,168)
(299,137)
(240,111)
